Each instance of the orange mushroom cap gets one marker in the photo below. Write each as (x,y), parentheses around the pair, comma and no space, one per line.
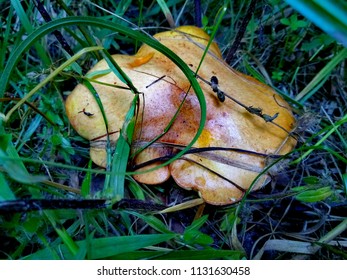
(221,176)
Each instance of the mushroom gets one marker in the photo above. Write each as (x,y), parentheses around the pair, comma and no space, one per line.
(245,119)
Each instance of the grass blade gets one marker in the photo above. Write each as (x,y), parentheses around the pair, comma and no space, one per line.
(5,191)
(321,141)
(49,78)
(206,254)
(121,155)
(15,168)
(107,247)
(71,246)
(326,14)
(87,181)
(29,28)
(167,13)
(310,89)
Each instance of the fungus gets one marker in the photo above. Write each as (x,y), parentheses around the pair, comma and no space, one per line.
(245,119)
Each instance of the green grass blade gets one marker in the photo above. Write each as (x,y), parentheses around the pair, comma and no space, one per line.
(5,191)
(152,221)
(115,188)
(206,254)
(107,247)
(167,13)
(71,246)
(311,196)
(321,141)
(88,39)
(13,167)
(323,74)
(5,40)
(197,224)
(344,183)
(220,16)
(87,181)
(29,28)
(117,70)
(49,78)
(327,14)
(95,94)
(121,155)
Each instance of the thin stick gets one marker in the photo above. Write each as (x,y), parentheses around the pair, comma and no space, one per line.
(231,53)
(253,110)
(26,205)
(197,13)
(41,8)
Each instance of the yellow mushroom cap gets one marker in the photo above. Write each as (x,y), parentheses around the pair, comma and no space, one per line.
(220,176)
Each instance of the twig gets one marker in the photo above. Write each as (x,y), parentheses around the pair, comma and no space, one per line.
(26,205)
(197,11)
(41,8)
(253,110)
(241,32)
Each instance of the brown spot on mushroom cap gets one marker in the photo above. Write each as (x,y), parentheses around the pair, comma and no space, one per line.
(220,177)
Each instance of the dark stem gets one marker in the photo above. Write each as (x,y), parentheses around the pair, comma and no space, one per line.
(253,110)
(231,53)
(26,205)
(202,150)
(41,8)
(197,10)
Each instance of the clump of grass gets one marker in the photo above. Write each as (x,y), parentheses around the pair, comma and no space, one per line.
(43,159)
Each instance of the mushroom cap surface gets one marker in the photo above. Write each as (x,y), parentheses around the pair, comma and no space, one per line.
(220,176)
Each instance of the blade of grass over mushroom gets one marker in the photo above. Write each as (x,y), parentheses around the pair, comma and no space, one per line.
(328,15)
(220,16)
(121,155)
(97,22)
(49,78)
(104,117)
(166,129)
(311,88)
(117,70)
